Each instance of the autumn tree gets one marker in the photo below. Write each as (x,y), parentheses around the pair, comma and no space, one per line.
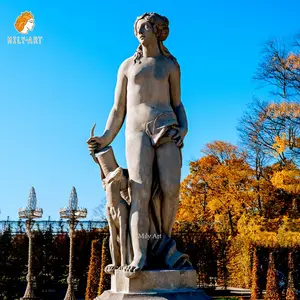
(294,65)
(243,194)
(214,195)
(271,128)
(194,192)
(248,130)
(270,132)
(274,69)
(217,189)
(287,179)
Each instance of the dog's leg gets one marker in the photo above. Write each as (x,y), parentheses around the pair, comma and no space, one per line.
(114,248)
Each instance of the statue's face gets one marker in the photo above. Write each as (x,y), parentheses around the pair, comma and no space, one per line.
(145,32)
(30,24)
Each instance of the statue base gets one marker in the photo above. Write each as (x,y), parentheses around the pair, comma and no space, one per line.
(155,284)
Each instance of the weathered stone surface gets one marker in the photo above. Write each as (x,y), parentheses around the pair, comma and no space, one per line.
(155,284)
(154,280)
(192,294)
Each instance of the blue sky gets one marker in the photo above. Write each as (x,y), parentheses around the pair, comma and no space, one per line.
(53,93)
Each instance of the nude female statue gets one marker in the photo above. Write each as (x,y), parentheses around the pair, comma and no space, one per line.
(148,91)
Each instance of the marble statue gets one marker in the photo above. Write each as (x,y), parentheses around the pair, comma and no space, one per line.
(148,94)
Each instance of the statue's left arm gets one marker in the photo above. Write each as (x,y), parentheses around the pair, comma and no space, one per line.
(174,81)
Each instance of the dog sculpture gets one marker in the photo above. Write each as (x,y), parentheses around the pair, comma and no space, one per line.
(115,183)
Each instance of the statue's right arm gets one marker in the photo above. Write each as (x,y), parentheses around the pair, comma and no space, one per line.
(118,112)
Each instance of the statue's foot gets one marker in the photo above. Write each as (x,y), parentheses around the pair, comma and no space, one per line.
(132,271)
(135,268)
(122,267)
(110,269)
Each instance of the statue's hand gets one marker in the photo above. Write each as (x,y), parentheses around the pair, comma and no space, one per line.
(179,136)
(96,143)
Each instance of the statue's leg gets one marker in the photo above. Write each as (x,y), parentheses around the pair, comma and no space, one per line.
(129,249)
(169,168)
(139,156)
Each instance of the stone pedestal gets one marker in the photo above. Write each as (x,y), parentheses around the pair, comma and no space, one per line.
(156,285)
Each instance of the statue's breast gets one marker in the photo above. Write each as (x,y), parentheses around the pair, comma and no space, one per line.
(142,72)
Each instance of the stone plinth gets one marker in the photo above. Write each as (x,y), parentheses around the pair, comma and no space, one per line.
(172,295)
(151,281)
(156,285)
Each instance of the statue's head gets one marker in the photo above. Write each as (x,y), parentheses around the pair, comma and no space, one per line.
(150,28)
(25,22)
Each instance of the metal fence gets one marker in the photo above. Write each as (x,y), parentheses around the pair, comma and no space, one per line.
(60,226)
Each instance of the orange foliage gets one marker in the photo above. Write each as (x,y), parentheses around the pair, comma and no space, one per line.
(287,110)
(287,179)
(218,188)
(276,128)
(293,61)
